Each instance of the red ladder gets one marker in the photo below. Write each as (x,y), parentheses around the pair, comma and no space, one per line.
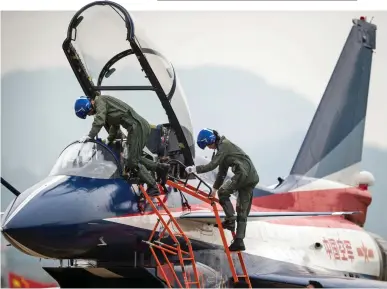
(195,192)
(173,250)
(176,250)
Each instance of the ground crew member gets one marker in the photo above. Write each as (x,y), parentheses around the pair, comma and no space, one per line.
(114,112)
(244,181)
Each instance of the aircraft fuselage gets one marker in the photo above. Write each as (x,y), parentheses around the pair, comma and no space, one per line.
(68,217)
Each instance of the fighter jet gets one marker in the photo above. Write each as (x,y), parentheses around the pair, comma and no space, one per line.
(306,227)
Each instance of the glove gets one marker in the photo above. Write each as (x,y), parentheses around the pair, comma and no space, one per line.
(84,138)
(190,170)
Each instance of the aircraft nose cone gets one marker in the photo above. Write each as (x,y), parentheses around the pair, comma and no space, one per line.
(24,221)
(60,216)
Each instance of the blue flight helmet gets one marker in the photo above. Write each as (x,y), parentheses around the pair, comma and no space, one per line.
(205,137)
(82,107)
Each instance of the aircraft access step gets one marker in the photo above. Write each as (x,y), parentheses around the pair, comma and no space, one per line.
(176,249)
(173,250)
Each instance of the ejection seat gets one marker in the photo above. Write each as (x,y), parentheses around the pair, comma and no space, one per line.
(162,146)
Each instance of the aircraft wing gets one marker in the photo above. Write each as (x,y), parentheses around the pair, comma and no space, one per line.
(209,217)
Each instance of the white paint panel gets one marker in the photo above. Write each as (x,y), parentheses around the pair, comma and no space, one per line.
(319,185)
(293,244)
(330,181)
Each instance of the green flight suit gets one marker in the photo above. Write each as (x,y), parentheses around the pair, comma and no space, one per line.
(115,112)
(244,181)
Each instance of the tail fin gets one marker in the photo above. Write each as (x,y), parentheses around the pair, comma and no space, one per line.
(334,142)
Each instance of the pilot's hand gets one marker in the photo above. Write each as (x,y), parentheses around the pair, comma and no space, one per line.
(84,138)
(213,193)
(190,170)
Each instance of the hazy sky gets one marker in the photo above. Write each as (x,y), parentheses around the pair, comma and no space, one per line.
(296,50)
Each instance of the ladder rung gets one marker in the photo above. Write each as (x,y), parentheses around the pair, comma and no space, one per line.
(175,248)
(163,244)
(166,245)
(160,247)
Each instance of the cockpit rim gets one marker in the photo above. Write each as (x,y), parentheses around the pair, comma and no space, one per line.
(117,161)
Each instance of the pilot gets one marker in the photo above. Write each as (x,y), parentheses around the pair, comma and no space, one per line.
(244,181)
(114,112)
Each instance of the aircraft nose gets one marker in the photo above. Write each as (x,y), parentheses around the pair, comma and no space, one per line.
(26,221)
(63,216)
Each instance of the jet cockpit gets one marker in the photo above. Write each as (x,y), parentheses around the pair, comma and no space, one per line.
(109,55)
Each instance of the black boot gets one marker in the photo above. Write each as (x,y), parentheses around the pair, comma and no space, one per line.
(237,245)
(228,225)
(153,192)
(164,167)
(162,172)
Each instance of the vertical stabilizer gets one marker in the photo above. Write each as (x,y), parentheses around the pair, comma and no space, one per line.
(334,142)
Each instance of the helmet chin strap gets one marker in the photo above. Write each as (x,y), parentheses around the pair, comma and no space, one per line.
(93,108)
(213,154)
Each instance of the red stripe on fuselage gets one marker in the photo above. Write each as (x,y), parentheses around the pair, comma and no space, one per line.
(330,200)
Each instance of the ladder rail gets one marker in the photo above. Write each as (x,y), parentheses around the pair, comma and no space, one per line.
(195,192)
(178,251)
(224,241)
(159,215)
(214,202)
(202,196)
(160,267)
(241,261)
(172,270)
(166,227)
(194,174)
(187,241)
(154,229)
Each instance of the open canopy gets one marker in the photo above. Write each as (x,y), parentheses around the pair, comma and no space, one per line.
(110,56)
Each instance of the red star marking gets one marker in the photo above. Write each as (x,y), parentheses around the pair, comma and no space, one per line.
(363,251)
